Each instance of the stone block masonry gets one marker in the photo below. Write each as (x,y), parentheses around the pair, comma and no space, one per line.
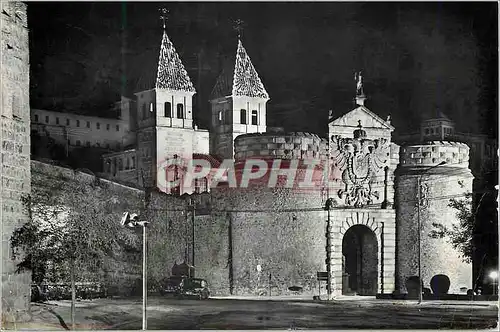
(438,256)
(15,153)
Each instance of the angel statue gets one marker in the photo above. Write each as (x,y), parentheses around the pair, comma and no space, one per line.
(359,84)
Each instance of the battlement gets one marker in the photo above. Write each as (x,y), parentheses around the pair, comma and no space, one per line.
(295,145)
(455,154)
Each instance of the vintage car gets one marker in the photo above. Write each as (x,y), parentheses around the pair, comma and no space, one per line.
(185,287)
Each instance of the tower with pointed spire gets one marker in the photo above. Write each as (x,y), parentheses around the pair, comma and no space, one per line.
(165,116)
(238,103)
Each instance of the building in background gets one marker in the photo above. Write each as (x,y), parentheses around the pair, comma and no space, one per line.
(371,239)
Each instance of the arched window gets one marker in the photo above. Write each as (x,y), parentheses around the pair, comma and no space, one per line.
(168,109)
(243,116)
(255,118)
(180,111)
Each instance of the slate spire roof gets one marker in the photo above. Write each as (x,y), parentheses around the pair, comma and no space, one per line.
(171,72)
(239,79)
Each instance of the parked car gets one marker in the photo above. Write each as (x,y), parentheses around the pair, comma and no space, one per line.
(185,287)
(38,293)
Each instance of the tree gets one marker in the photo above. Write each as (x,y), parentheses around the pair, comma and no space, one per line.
(461,235)
(74,225)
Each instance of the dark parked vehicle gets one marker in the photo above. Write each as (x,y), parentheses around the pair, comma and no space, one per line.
(38,293)
(185,287)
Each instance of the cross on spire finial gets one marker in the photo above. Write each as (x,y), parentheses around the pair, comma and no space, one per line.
(238,26)
(164,16)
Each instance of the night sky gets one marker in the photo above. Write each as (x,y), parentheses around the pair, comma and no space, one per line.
(416,58)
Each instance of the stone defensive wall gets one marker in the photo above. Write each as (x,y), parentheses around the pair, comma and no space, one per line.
(435,152)
(279,152)
(295,145)
(439,184)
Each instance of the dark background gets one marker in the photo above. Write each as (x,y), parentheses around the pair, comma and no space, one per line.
(417,58)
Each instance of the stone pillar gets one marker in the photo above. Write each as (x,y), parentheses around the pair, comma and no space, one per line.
(15,150)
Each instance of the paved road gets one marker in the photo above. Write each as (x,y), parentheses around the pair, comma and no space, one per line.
(262,314)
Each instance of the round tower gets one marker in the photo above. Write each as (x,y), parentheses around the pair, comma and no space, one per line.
(441,170)
(277,227)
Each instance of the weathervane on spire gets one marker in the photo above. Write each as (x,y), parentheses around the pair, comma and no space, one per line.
(238,26)
(164,16)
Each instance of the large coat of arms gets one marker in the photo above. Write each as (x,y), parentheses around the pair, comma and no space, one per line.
(360,160)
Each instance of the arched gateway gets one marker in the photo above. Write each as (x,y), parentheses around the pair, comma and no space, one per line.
(360,261)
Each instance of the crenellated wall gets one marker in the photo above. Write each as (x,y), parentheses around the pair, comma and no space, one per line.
(297,145)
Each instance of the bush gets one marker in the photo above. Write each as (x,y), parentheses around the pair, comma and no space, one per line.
(440,284)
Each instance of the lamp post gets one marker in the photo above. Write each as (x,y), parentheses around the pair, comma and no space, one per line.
(132,221)
(419,189)
(494,276)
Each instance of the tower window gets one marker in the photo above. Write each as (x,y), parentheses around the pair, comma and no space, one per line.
(255,118)
(57,120)
(78,123)
(47,119)
(180,111)
(243,116)
(36,117)
(168,109)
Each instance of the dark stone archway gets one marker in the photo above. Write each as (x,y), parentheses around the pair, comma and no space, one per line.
(360,263)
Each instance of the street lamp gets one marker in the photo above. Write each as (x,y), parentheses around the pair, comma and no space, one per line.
(494,276)
(132,220)
(419,189)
